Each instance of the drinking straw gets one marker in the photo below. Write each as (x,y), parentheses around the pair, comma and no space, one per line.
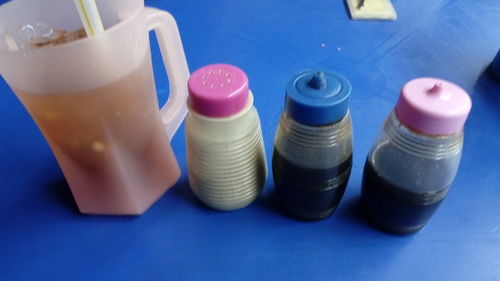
(87,9)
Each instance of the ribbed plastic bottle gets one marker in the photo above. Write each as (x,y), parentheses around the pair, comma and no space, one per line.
(226,159)
(411,166)
(312,156)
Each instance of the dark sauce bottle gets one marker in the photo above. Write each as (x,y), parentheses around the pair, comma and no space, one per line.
(312,158)
(411,167)
(394,209)
(310,193)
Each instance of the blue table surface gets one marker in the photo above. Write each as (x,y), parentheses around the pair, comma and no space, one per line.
(43,236)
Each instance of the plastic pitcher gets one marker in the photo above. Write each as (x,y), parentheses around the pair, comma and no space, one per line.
(95,101)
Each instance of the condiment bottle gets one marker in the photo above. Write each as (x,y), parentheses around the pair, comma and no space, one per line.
(411,166)
(226,159)
(312,156)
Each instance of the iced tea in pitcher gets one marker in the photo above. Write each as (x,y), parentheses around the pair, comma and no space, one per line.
(94,99)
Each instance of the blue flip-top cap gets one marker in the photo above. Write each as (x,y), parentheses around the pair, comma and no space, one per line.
(317,97)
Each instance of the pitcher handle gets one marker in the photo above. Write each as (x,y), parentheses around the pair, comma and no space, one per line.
(172,52)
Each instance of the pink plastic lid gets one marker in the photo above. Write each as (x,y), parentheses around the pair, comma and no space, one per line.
(433,106)
(218,90)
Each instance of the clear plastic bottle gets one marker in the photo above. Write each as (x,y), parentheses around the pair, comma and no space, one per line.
(411,166)
(226,159)
(312,157)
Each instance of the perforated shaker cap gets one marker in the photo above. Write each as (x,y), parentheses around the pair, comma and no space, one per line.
(317,97)
(433,106)
(218,90)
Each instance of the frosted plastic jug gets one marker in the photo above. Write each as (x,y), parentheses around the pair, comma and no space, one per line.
(94,99)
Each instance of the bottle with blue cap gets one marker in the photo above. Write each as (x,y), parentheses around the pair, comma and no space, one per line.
(312,156)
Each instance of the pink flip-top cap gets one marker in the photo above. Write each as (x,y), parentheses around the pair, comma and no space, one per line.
(433,106)
(218,90)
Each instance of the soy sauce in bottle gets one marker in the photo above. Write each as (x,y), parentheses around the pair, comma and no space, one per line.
(411,166)
(312,156)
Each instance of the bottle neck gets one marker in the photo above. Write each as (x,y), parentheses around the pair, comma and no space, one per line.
(431,147)
(317,136)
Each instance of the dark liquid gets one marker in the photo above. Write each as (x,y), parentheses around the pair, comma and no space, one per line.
(309,193)
(393,208)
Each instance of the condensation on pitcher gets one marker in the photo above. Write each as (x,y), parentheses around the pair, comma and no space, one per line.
(26,35)
(38,34)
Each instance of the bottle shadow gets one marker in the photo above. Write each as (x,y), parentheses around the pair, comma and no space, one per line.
(269,202)
(350,210)
(349,214)
(60,192)
(353,211)
(488,87)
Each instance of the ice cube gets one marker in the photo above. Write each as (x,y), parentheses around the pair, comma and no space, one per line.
(37,34)
(30,32)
